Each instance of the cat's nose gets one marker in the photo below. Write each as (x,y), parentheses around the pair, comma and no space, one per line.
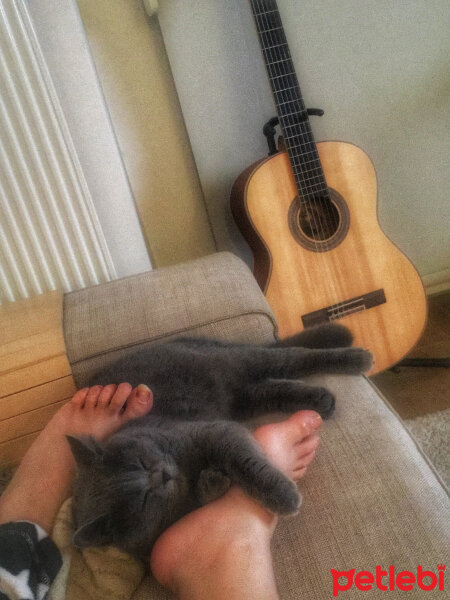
(162,476)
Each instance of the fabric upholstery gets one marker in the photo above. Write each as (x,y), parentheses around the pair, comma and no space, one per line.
(215,296)
(369,498)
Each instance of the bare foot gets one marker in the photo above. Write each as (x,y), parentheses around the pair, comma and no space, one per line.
(225,545)
(44,477)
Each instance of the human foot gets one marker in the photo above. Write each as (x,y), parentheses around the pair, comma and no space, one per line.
(43,479)
(232,534)
(291,444)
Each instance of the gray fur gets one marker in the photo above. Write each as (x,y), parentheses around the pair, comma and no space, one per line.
(190,448)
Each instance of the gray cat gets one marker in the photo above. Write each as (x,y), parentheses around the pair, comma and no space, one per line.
(189,449)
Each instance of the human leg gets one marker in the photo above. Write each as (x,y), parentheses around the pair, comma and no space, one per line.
(43,479)
(223,549)
(29,559)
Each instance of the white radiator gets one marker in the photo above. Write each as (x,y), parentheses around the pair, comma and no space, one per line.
(50,236)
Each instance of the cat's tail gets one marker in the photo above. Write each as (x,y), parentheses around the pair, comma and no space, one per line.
(329,335)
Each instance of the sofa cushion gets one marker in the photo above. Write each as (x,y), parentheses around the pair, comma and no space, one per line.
(215,296)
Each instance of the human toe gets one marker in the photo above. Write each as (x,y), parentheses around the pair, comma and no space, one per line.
(79,398)
(308,444)
(92,397)
(106,395)
(139,402)
(119,397)
(304,422)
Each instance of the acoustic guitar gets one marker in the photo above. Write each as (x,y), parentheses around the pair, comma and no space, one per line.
(309,215)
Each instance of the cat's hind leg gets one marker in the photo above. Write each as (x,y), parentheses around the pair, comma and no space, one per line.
(282,395)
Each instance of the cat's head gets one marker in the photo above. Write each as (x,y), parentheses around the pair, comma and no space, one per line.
(125,494)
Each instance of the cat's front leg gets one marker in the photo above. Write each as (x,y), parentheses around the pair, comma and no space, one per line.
(230,449)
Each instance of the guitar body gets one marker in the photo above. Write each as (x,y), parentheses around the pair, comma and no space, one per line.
(353,275)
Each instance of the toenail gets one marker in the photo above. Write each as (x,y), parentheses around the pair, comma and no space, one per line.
(142,392)
(314,420)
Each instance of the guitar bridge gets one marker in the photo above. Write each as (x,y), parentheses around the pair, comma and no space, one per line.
(343,309)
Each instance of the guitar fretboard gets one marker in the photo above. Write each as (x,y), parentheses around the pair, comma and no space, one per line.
(299,139)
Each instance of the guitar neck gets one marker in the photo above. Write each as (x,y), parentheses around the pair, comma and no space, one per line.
(294,121)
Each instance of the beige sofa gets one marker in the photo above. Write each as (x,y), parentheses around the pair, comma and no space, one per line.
(370,498)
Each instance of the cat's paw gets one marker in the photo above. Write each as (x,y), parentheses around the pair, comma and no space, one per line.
(211,485)
(354,361)
(325,403)
(285,500)
(364,359)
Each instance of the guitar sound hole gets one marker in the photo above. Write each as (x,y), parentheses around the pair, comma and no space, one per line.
(318,219)
(321,223)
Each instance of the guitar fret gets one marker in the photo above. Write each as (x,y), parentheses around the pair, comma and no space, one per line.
(294,137)
(306,172)
(288,101)
(304,182)
(302,126)
(267,12)
(269,30)
(306,135)
(310,194)
(299,169)
(285,75)
(300,146)
(277,62)
(293,87)
(292,113)
(275,46)
(307,162)
(303,169)
(300,156)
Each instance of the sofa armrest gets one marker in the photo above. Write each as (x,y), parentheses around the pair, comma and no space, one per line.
(215,296)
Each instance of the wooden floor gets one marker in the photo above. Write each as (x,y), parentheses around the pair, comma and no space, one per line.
(415,391)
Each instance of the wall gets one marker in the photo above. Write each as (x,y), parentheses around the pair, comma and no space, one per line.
(378,68)
(66,56)
(135,76)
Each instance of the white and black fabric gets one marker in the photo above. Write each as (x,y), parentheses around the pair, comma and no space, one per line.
(29,561)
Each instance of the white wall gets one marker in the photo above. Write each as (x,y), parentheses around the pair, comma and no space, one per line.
(63,42)
(379,69)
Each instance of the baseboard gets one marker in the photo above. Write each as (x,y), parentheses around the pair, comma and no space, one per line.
(437,283)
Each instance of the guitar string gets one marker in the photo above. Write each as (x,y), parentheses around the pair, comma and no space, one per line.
(286,58)
(298,101)
(314,177)
(261,19)
(306,177)
(264,29)
(302,178)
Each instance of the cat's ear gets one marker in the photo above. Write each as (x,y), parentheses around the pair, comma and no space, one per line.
(95,533)
(85,449)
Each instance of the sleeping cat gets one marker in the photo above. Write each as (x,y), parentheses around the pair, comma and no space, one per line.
(190,448)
